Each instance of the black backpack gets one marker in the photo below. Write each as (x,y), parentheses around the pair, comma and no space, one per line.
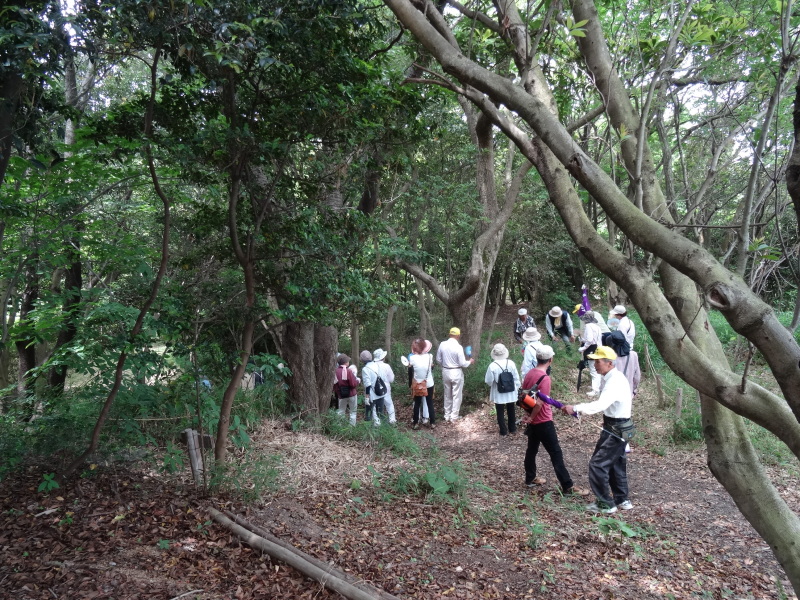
(505,381)
(379,387)
(617,341)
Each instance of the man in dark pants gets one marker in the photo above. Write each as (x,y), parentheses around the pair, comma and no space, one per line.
(542,430)
(608,465)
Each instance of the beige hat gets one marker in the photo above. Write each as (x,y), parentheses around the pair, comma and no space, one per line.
(544,353)
(531,335)
(379,354)
(522,312)
(620,310)
(555,312)
(499,352)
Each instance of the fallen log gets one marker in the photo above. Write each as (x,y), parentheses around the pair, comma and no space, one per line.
(362,585)
(294,560)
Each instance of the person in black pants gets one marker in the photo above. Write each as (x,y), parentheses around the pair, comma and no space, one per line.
(420,371)
(542,430)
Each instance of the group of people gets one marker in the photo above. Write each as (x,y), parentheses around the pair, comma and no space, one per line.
(377,378)
(615,378)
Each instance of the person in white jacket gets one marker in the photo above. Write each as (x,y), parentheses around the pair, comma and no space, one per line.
(504,401)
(369,377)
(591,338)
(533,338)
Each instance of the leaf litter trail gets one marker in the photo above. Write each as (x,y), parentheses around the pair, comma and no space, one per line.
(120,533)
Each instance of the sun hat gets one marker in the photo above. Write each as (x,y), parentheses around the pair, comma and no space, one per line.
(603,352)
(620,310)
(588,317)
(499,352)
(428,346)
(555,312)
(544,353)
(455,331)
(522,311)
(379,354)
(365,356)
(343,359)
(531,335)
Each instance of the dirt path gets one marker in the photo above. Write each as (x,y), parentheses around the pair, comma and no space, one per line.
(126,531)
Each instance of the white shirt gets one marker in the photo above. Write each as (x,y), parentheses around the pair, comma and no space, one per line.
(493,372)
(627,327)
(615,400)
(451,355)
(591,335)
(369,375)
(423,367)
(529,360)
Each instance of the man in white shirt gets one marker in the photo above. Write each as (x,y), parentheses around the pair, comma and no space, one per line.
(608,465)
(451,356)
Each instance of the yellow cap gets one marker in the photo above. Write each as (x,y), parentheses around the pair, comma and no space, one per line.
(455,331)
(603,352)
(577,308)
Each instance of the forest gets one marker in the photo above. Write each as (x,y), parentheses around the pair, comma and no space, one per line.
(202,203)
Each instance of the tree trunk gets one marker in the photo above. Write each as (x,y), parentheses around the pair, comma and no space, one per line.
(355,341)
(11,89)
(310,353)
(387,339)
(26,348)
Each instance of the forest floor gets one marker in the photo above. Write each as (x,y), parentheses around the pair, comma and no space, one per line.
(124,530)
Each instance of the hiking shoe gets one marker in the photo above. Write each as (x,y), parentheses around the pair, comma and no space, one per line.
(433,425)
(536,481)
(627,505)
(595,508)
(576,491)
(424,421)
(415,426)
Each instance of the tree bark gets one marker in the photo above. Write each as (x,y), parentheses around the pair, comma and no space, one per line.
(12,87)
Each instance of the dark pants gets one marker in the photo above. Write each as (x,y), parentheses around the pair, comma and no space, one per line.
(377,405)
(418,407)
(502,410)
(545,434)
(608,467)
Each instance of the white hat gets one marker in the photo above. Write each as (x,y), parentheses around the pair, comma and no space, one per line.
(555,312)
(531,335)
(379,354)
(619,309)
(544,353)
(499,352)
(522,311)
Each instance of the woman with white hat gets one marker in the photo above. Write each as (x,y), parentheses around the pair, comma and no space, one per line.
(533,339)
(524,320)
(421,363)
(503,381)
